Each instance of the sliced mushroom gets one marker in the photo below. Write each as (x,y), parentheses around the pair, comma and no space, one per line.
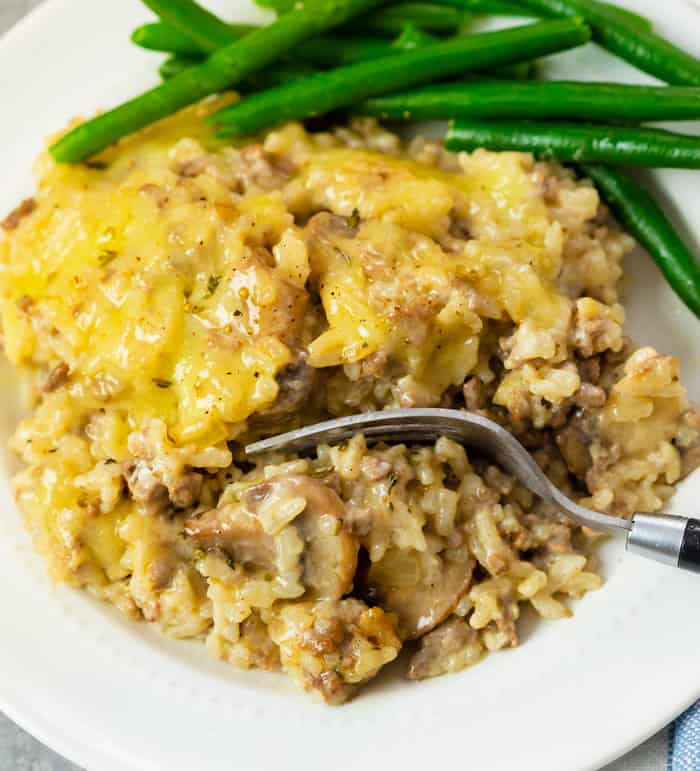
(251,532)
(420,601)
(330,553)
(237,532)
(330,557)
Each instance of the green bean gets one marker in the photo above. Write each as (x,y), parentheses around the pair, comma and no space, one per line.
(580,142)
(333,51)
(339,50)
(549,100)
(282,72)
(427,16)
(642,48)
(413,37)
(327,91)
(224,68)
(174,65)
(489,7)
(625,14)
(507,8)
(497,8)
(325,51)
(159,36)
(278,6)
(517,71)
(194,21)
(431,16)
(637,210)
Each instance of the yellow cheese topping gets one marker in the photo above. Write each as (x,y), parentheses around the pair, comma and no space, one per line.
(170,289)
(147,285)
(375,282)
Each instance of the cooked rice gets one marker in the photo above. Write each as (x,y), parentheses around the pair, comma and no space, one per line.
(310,276)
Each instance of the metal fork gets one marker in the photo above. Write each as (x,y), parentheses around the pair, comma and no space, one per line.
(665,538)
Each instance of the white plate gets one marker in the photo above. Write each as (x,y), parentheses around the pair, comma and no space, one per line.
(113,696)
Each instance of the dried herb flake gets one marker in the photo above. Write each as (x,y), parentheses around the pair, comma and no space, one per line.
(212,284)
(106,256)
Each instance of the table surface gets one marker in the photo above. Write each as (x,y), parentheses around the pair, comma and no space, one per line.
(21,752)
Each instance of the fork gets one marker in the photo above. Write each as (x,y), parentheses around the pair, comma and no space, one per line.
(669,539)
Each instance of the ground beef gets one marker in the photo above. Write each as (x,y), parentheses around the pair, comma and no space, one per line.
(15,217)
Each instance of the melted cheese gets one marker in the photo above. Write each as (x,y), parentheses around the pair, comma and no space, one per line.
(513,258)
(171,295)
(147,285)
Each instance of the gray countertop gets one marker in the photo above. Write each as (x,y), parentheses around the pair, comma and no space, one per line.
(21,752)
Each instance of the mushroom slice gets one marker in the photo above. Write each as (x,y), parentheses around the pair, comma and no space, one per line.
(237,532)
(254,532)
(330,552)
(421,595)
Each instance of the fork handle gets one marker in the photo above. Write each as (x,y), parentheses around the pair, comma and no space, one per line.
(671,540)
